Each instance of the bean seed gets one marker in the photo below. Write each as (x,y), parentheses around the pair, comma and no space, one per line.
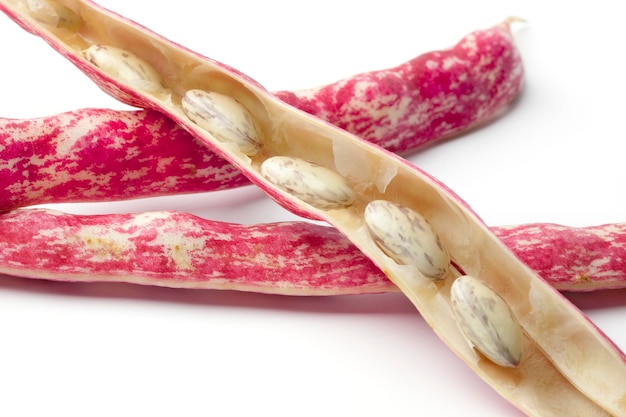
(223,117)
(125,66)
(406,237)
(54,14)
(486,320)
(315,184)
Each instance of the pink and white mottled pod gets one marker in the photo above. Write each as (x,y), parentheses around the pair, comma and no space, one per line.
(433,96)
(102,155)
(557,337)
(323,262)
(180,250)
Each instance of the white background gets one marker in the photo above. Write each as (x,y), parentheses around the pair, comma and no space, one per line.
(104,350)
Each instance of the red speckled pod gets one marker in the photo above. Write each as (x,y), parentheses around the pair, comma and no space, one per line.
(433,96)
(180,250)
(99,155)
(571,258)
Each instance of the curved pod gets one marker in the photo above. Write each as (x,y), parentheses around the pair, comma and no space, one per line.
(546,318)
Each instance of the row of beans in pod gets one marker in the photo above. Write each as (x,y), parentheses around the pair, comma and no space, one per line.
(400,232)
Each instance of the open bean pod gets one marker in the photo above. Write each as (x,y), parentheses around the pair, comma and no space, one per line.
(552,375)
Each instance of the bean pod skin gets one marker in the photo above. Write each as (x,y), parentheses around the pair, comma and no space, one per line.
(100,154)
(181,250)
(547,381)
(432,96)
(261,258)
(572,259)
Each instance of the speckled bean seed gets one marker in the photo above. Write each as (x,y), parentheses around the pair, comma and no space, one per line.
(125,66)
(52,13)
(487,322)
(406,237)
(223,117)
(314,184)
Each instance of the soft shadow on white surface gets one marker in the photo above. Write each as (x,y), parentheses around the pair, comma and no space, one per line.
(599,300)
(265,348)
(377,304)
(117,349)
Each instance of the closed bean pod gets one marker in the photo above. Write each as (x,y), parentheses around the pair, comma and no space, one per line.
(324,263)
(557,384)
